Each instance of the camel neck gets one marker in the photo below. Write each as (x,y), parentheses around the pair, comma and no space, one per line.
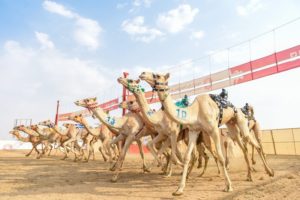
(88,128)
(148,114)
(111,122)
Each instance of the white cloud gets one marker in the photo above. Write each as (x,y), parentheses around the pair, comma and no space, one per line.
(138,3)
(87,31)
(197,35)
(250,7)
(44,40)
(56,8)
(34,79)
(139,31)
(175,20)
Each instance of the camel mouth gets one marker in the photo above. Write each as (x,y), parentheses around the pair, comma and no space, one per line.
(142,77)
(119,80)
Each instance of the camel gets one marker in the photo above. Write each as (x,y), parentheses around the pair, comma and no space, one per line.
(63,136)
(34,140)
(203,115)
(74,136)
(102,133)
(204,142)
(254,127)
(45,134)
(165,127)
(126,127)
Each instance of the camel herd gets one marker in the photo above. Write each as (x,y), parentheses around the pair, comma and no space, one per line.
(196,126)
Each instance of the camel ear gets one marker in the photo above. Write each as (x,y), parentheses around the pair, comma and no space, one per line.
(138,81)
(167,76)
(80,115)
(95,98)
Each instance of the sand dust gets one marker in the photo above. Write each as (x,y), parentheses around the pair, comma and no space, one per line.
(51,178)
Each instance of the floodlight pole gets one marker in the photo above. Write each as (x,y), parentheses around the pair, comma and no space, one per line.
(124,96)
(56,115)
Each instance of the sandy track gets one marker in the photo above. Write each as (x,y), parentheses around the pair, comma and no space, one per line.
(51,178)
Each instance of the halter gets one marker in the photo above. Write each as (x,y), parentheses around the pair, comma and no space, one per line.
(132,89)
(156,83)
(92,106)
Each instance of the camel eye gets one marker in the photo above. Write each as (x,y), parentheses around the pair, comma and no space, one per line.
(131,102)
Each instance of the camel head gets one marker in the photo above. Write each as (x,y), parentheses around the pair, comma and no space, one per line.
(158,82)
(130,84)
(77,118)
(87,103)
(68,125)
(19,128)
(132,105)
(47,123)
(14,132)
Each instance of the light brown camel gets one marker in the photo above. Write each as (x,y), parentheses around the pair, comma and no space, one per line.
(203,115)
(74,134)
(34,140)
(103,134)
(127,127)
(65,138)
(203,142)
(45,134)
(254,127)
(166,128)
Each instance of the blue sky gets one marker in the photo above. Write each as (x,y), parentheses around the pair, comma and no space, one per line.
(68,49)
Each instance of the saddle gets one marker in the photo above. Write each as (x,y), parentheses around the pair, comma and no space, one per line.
(222,104)
(247,114)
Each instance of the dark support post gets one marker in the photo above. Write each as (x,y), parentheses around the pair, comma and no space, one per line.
(56,115)
(273,142)
(125,74)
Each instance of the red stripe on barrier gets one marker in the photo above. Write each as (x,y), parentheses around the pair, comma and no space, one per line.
(265,72)
(261,62)
(289,65)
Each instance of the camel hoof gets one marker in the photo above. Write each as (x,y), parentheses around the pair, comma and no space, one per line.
(271,173)
(145,169)
(228,189)
(114,178)
(200,175)
(177,193)
(113,168)
(26,155)
(249,179)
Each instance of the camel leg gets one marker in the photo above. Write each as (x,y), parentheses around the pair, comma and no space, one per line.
(117,139)
(108,148)
(29,153)
(51,148)
(139,142)
(216,139)
(252,158)
(38,152)
(192,142)
(121,159)
(245,130)
(192,163)
(234,132)
(174,148)
(150,146)
(201,150)
(226,155)
(65,147)
(102,151)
